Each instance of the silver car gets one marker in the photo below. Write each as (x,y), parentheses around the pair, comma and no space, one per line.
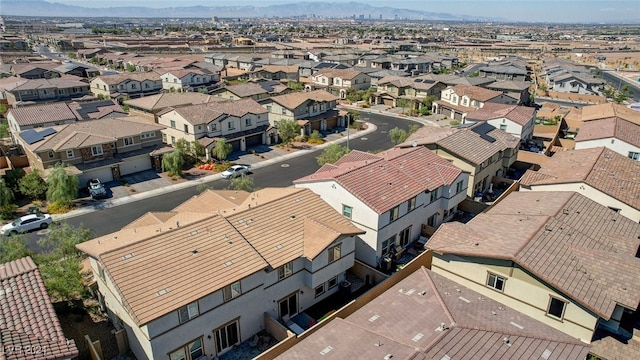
(27,223)
(235,171)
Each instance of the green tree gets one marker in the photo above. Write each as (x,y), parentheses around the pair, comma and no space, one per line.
(13,248)
(403,103)
(398,135)
(33,185)
(62,239)
(62,277)
(242,182)
(331,154)
(221,149)
(4,129)
(131,68)
(3,109)
(7,207)
(173,162)
(288,130)
(295,86)
(62,187)
(619,98)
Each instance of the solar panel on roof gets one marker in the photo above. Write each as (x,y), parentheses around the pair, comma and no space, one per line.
(46,132)
(417,80)
(483,129)
(31,136)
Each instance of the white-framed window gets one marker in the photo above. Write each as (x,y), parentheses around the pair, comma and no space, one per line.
(69,154)
(334,253)
(269,108)
(247,122)
(412,203)
(347,211)
(404,236)
(388,244)
(496,282)
(226,336)
(634,155)
(128,141)
(213,127)
(503,127)
(285,270)
(434,195)
(556,307)
(172,123)
(147,135)
(332,282)
(164,138)
(394,213)
(173,140)
(96,150)
(284,111)
(319,290)
(188,312)
(191,351)
(459,186)
(231,125)
(231,291)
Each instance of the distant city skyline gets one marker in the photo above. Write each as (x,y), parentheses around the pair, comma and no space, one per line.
(562,11)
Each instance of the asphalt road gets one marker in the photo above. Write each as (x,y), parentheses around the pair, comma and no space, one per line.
(108,220)
(618,83)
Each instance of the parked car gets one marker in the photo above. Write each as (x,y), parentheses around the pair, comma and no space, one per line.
(235,171)
(27,223)
(96,189)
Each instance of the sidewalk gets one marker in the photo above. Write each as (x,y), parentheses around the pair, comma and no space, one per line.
(376,109)
(159,185)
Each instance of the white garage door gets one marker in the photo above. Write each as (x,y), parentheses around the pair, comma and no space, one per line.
(135,164)
(103,173)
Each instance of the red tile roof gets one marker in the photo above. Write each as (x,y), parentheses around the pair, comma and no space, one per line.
(517,113)
(27,318)
(614,127)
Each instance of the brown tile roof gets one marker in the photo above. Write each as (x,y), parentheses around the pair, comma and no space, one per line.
(246,90)
(391,177)
(180,73)
(27,318)
(293,100)
(609,110)
(615,127)
(408,82)
(476,92)
(390,325)
(266,228)
(116,79)
(278,68)
(614,174)
(338,73)
(517,113)
(55,83)
(165,100)
(208,112)
(41,114)
(570,242)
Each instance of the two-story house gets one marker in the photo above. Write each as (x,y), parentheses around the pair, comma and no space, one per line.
(392,88)
(44,70)
(390,195)
(152,105)
(518,90)
(18,91)
(184,80)
(275,72)
(504,72)
(131,85)
(103,148)
(339,81)
(458,100)
(258,90)
(599,173)
(243,123)
(558,257)
(516,120)
(194,282)
(313,110)
(481,150)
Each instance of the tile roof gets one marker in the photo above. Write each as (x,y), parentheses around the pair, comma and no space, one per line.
(517,113)
(27,317)
(409,82)
(42,114)
(605,170)
(254,231)
(405,322)
(55,83)
(246,90)
(569,241)
(510,85)
(116,79)
(293,100)
(475,92)
(392,176)
(609,110)
(338,73)
(278,68)
(208,112)
(614,127)
(165,100)
(95,109)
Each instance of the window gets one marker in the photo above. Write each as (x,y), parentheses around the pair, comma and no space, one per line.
(148,135)
(186,128)
(503,127)
(634,155)
(188,312)
(51,155)
(190,351)
(227,336)
(347,211)
(332,282)
(284,111)
(404,236)
(412,203)
(431,221)
(289,305)
(334,253)
(134,86)
(285,270)
(101,272)
(269,108)
(459,186)
(173,124)
(394,213)
(96,150)
(231,125)
(128,141)
(556,307)
(173,140)
(146,85)
(434,195)
(247,122)
(231,291)
(69,154)
(495,281)
(388,244)
(213,127)
(319,290)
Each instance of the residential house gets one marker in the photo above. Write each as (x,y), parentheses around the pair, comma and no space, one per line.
(391,89)
(518,90)
(600,173)
(427,316)
(257,91)
(377,61)
(313,110)
(504,72)
(392,195)
(103,148)
(611,125)
(257,259)
(307,68)
(243,123)
(30,327)
(458,100)
(41,70)
(481,150)
(557,256)
(576,83)
(413,65)
(25,91)
(126,85)
(339,81)
(275,72)
(78,70)
(516,120)
(184,80)
(150,106)
(376,76)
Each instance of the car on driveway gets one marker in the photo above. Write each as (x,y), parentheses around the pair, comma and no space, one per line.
(96,189)
(27,223)
(235,171)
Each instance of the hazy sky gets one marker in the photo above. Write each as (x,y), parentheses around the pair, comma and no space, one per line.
(514,10)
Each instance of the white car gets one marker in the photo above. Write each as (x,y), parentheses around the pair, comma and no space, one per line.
(27,223)
(235,171)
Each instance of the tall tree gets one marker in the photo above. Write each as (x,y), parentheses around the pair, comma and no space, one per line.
(331,154)
(62,239)
(173,162)
(288,130)
(221,149)
(62,187)
(13,248)
(33,185)
(7,207)
(242,182)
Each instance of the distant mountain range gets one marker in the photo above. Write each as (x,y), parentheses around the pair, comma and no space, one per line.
(317,9)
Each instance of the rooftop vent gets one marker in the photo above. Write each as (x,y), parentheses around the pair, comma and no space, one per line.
(417,337)
(128,256)
(194,251)
(506,341)
(228,263)
(163,292)
(194,232)
(517,325)
(388,357)
(374,318)
(546,354)
(326,350)
(464,299)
